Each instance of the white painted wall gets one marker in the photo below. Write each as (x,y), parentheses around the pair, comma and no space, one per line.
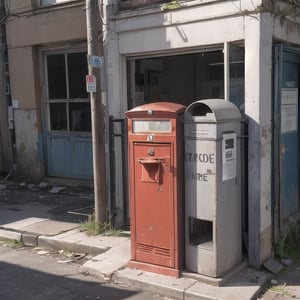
(258,108)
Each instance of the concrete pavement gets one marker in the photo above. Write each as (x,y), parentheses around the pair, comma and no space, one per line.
(41,219)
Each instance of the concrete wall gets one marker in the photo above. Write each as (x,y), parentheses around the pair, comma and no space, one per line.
(258,108)
(27,33)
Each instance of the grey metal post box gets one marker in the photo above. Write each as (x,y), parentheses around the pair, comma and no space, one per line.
(212,187)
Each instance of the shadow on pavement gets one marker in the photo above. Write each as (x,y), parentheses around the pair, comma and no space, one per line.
(27,284)
(69,205)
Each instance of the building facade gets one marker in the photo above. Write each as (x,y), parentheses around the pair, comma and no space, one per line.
(51,110)
(242,51)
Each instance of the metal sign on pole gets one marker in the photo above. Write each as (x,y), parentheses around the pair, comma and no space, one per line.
(91,86)
(95,61)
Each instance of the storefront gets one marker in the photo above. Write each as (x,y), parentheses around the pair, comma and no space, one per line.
(219,50)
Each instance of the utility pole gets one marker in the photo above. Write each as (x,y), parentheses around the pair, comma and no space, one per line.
(97,115)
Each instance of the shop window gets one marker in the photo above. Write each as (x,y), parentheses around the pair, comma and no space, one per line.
(186,78)
(179,78)
(67,99)
(51,2)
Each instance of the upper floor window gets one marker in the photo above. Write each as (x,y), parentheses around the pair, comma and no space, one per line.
(50,2)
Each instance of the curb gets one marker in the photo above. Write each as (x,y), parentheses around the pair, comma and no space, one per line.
(53,243)
(11,235)
(50,242)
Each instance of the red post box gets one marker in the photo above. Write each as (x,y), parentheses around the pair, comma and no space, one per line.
(155,139)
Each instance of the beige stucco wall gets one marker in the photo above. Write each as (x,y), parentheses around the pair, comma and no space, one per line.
(44,27)
(27,33)
(21,66)
(19,6)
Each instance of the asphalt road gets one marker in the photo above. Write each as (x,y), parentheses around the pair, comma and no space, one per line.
(27,275)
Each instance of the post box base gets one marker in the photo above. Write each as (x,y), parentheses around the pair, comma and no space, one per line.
(153,268)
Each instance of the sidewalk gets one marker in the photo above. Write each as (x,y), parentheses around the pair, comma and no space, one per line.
(49,218)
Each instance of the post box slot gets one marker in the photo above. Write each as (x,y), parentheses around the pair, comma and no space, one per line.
(150,161)
(201,233)
(152,169)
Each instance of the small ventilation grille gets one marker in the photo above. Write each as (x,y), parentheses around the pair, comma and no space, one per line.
(153,250)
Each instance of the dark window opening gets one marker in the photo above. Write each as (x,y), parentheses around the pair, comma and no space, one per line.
(58,116)
(57,85)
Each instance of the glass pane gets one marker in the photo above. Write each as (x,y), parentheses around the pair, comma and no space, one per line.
(181,78)
(237,76)
(56,76)
(58,116)
(77,70)
(152,126)
(49,2)
(80,116)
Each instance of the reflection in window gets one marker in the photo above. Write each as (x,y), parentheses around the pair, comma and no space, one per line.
(179,78)
(50,2)
(58,116)
(237,76)
(80,116)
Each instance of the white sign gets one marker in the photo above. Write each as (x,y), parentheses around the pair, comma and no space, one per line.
(90,83)
(289,109)
(95,61)
(228,156)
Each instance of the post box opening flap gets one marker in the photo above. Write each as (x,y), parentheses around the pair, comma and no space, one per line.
(202,110)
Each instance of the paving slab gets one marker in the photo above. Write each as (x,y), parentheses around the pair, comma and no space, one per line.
(156,283)
(49,227)
(19,225)
(245,286)
(112,260)
(13,212)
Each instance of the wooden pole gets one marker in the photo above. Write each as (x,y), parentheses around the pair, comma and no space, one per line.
(97,117)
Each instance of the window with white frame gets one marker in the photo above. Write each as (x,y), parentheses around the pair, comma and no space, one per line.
(67,100)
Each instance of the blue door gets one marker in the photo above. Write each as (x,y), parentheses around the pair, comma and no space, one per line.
(70,156)
(286,137)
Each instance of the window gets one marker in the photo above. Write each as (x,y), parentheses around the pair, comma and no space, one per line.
(67,99)
(50,2)
(181,78)
(236,76)
(186,78)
